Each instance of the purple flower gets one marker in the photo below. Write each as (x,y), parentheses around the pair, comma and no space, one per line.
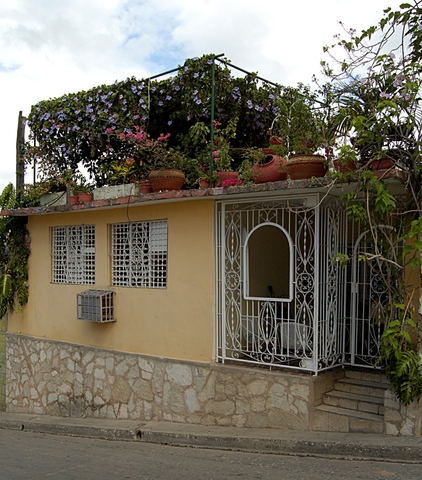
(249,104)
(398,80)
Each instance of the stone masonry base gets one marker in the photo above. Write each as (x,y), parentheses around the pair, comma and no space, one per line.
(63,379)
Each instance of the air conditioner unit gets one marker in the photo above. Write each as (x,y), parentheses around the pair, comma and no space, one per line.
(96,306)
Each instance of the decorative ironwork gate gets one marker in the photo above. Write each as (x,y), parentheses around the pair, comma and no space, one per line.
(283,300)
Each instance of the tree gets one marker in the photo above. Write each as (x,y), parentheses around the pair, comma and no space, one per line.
(378,84)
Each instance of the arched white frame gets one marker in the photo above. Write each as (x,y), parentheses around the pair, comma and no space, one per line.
(288,297)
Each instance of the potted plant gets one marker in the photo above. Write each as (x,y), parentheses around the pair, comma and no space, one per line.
(218,152)
(221,153)
(205,179)
(299,124)
(145,186)
(152,159)
(83,191)
(261,166)
(346,159)
(167,164)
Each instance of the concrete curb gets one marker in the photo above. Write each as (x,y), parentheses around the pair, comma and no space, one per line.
(91,428)
(322,444)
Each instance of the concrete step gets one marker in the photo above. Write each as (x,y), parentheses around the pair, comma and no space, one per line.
(333,419)
(361,387)
(372,376)
(354,401)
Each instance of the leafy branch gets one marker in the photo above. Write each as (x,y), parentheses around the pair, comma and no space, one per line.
(14,253)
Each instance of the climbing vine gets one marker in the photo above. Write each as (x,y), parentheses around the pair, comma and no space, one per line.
(14,253)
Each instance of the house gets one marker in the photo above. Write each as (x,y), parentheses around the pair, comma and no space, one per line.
(220,306)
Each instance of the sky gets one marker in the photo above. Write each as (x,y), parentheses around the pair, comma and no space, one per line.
(52,47)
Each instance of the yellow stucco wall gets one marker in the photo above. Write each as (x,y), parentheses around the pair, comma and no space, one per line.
(176,322)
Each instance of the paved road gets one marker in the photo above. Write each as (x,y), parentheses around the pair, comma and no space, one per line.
(34,456)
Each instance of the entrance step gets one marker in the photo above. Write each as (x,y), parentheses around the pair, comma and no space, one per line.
(355,404)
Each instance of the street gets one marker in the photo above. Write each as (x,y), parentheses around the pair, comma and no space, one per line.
(34,456)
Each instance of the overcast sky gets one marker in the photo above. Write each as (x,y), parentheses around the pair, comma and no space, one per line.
(52,47)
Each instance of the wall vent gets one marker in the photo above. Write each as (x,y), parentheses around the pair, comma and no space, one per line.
(96,306)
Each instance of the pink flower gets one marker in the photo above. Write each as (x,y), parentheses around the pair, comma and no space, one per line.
(231,182)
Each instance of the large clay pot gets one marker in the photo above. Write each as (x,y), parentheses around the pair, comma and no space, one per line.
(223,176)
(273,170)
(344,168)
(300,167)
(382,164)
(169,179)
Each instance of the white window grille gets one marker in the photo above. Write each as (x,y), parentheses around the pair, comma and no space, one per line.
(73,254)
(139,254)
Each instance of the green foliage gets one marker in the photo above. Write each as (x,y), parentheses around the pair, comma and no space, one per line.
(74,129)
(299,122)
(14,253)
(380,115)
(400,358)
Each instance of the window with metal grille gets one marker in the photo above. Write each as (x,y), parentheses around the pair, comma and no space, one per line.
(139,254)
(73,254)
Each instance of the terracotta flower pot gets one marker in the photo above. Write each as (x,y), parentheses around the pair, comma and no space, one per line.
(204,183)
(382,164)
(300,167)
(268,151)
(84,197)
(167,179)
(73,199)
(145,186)
(271,171)
(344,168)
(223,176)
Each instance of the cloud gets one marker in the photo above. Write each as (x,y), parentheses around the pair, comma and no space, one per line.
(49,48)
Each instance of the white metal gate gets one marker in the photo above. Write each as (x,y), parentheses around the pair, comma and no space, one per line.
(369,303)
(283,300)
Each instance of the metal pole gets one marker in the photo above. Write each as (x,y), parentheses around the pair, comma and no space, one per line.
(20,140)
(212,115)
(35,163)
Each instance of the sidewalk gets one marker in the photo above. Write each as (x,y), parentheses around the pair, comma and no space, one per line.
(332,445)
